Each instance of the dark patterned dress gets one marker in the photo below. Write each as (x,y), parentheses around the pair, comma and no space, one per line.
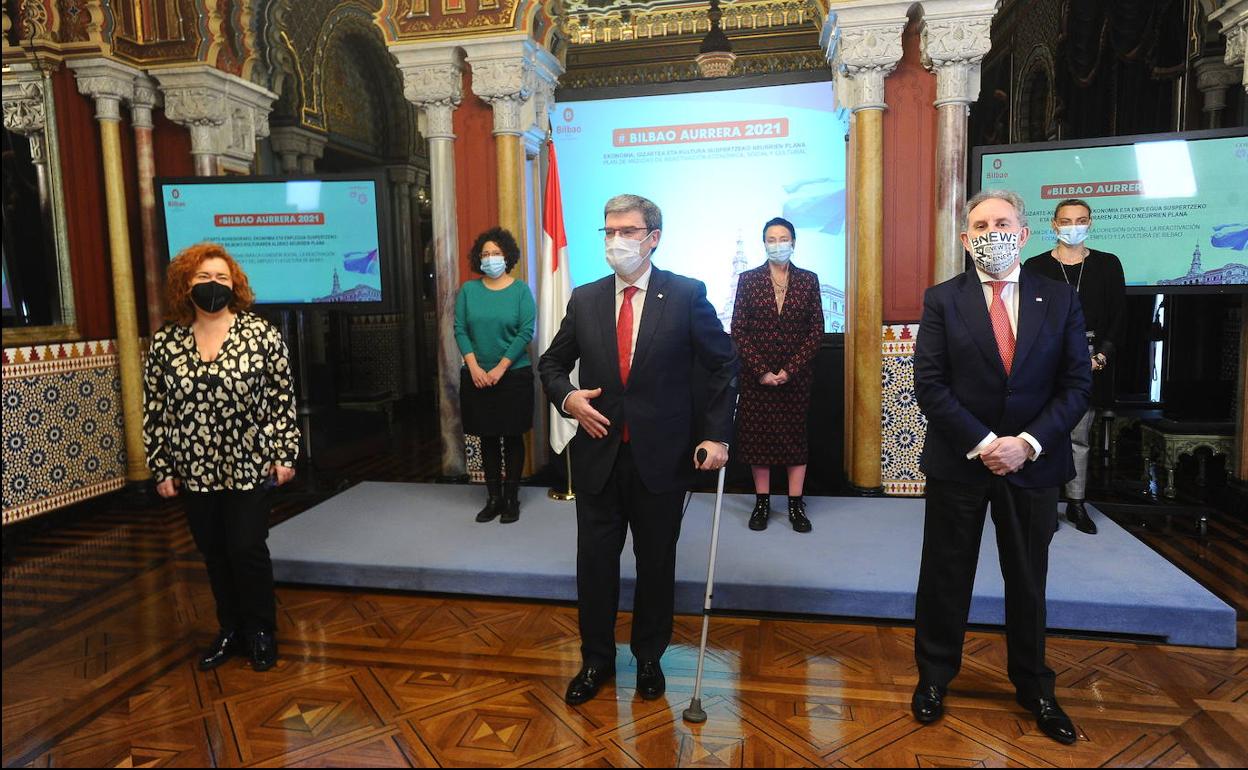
(771,420)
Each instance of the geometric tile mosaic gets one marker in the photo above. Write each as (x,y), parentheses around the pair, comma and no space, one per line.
(63,437)
(903,426)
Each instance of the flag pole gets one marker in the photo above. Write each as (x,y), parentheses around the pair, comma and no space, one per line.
(556,494)
(556,237)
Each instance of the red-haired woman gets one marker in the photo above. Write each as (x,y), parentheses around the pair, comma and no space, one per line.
(219,424)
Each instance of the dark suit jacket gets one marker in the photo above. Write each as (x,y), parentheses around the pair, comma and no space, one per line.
(678,327)
(963,390)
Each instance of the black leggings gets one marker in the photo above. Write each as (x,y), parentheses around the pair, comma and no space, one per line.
(492,450)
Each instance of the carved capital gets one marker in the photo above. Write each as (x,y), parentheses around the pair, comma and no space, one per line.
(433,81)
(439,120)
(23,103)
(862,56)
(108,82)
(146,97)
(224,112)
(1232,19)
(953,48)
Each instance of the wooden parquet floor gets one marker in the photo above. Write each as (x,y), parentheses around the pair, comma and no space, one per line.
(105,614)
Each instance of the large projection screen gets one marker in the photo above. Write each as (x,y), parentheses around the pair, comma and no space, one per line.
(1173,207)
(719,164)
(309,241)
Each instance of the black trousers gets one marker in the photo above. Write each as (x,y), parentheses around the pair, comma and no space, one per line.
(230,528)
(602,522)
(954,525)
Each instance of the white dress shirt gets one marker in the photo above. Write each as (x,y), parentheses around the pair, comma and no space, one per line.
(1009,296)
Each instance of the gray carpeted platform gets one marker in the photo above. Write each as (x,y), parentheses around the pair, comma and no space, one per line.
(862,560)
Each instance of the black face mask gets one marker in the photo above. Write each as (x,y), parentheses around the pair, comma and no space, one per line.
(211,297)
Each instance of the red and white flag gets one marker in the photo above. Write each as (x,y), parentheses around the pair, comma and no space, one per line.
(554,289)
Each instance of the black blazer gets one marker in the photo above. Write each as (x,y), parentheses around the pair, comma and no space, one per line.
(963,390)
(678,328)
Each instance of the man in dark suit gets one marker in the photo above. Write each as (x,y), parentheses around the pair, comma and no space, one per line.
(1001,372)
(637,335)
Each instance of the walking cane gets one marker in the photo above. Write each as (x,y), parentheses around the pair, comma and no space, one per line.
(694,713)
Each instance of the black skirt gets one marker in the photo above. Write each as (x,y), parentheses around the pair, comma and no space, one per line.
(506,409)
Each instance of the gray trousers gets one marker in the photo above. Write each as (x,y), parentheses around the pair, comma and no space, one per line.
(1077,488)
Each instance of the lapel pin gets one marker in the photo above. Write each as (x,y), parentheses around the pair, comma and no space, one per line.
(1039,299)
(660,296)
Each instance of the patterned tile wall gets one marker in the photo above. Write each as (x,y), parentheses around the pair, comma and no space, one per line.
(63,434)
(903,425)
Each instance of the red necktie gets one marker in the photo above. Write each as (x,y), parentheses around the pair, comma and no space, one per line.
(624,341)
(1001,325)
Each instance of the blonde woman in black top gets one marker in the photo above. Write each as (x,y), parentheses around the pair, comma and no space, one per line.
(219,427)
(1098,279)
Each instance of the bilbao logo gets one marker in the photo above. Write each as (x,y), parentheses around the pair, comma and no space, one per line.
(996,163)
(568,114)
(176,193)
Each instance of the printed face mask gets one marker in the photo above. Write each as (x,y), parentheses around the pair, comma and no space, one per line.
(994,252)
(211,297)
(780,252)
(1072,234)
(493,266)
(624,255)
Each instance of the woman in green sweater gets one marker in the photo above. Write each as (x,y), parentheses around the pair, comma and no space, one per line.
(494,319)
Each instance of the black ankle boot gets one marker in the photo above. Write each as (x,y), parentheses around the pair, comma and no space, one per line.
(511,502)
(762,510)
(797,514)
(493,503)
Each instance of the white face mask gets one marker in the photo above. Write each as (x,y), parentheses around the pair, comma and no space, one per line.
(995,251)
(1073,234)
(780,252)
(493,266)
(624,255)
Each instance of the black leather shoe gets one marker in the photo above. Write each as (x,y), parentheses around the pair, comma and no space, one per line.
(797,515)
(585,685)
(1051,720)
(928,703)
(225,646)
(263,651)
(511,504)
(1078,515)
(650,681)
(762,510)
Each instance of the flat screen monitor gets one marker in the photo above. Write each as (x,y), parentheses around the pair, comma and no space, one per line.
(719,164)
(314,241)
(1172,207)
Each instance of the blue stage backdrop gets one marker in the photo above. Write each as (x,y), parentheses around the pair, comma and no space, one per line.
(719,164)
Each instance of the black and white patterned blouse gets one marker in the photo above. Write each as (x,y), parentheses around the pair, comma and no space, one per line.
(219,424)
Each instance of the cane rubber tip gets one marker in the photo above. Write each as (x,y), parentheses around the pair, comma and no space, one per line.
(694,713)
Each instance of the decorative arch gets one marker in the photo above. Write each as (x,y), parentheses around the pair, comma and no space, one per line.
(1034,115)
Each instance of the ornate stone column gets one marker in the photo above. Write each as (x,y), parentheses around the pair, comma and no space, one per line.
(110,83)
(1213,77)
(297,148)
(864,46)
(146,96)
(433,81)
(401,180)
(1232,17)
(224,113)
(955,40)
